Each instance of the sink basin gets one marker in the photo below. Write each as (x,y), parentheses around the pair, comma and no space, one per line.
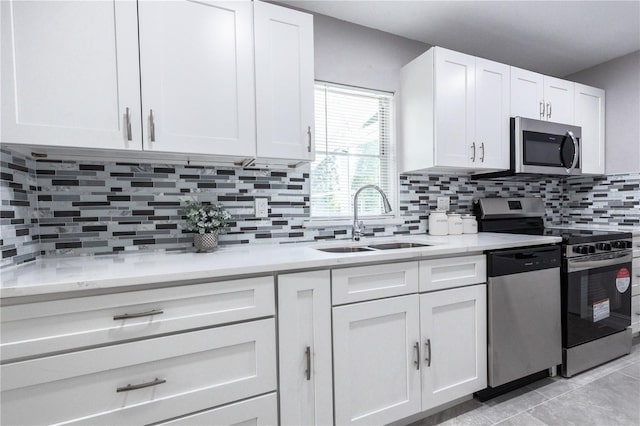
(344,249)
(392,246)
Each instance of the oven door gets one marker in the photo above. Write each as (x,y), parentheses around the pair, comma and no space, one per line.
(596,295)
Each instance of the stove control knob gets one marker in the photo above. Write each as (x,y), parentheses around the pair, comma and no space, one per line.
(621,244)
(603,246)
(581,249)
(591,249)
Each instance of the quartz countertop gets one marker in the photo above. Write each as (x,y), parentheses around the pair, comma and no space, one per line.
(52,276)
(635,230)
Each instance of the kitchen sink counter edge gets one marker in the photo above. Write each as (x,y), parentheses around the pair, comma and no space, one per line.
(52,276)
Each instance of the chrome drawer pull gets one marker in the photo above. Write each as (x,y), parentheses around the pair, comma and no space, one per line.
(428,358)
(128,124)
(417,361)
(307,354)
(141,385)
(138,315)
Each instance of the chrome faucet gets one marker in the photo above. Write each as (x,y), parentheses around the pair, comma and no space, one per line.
(358,227)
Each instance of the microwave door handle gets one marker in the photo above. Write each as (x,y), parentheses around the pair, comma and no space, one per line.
(576,152)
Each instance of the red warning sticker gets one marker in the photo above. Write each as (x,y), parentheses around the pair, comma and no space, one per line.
(623,279)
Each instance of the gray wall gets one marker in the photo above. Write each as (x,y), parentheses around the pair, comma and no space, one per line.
(351,54)
(620,78)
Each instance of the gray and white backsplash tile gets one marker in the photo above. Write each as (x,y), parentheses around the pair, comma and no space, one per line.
(69,208)
(18,226)
(603,200)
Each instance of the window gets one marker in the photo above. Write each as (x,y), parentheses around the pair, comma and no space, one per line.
(354,147)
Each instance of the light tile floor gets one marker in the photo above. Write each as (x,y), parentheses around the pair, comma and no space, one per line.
(608,395)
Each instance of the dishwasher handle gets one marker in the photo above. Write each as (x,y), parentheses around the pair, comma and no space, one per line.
(526,259)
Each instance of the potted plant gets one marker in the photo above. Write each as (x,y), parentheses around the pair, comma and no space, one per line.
(207,221)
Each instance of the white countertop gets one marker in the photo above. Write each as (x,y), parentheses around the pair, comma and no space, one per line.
(65,274)
(635,230)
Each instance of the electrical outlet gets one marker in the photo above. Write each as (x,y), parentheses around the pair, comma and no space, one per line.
(262,207)
(443,203)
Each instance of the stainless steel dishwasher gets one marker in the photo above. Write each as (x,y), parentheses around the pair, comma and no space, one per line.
(524,316)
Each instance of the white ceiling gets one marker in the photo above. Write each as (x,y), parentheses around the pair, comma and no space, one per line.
(552,37)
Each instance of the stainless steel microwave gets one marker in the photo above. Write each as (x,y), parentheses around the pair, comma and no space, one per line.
(543,147)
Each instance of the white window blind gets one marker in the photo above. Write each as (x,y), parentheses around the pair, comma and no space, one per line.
(354,147)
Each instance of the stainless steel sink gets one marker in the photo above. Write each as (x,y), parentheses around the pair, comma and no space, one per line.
(392,246)
(344,249)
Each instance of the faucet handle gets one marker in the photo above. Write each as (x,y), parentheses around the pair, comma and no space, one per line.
(361,227)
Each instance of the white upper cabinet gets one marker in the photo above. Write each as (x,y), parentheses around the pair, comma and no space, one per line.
(454,113)
(589,115)
(175,77)
(454,107)
(558,99)
(492,114)
(527,94)
(70,74)
(541,97)
(196,61)
(284,82)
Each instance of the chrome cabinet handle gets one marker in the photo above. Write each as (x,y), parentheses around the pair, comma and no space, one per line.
(127,123)
(428,358)
(542,109)
(309,138)
(128,388)
(152,127)
(307,353)
(482,147)
(417,361)
(548,109)
(138,314)
(473,146)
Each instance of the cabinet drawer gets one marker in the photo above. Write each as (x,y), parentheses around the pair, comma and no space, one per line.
(373,282)
(59,325)
(260,411)
(439,274)
(201,369)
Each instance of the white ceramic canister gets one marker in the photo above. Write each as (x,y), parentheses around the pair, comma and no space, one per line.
(469,224)
(438,223)
(455,224)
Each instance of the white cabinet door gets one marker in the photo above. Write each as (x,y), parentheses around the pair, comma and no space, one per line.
(454,109)
(70,74)
(284,82)
(589,115)
(375,361)
(197,76)
(454,343)
(492,115)
(304,326)
(558,98)
(527,94)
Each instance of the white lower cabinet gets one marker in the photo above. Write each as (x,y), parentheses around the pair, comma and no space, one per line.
(375,357)
(143,381)
(399,356)
(304,326)
(454,339)
(260,411)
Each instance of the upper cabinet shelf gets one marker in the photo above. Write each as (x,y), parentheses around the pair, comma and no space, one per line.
(455,111)
(200,83)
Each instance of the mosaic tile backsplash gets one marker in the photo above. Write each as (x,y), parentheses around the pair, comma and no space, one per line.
(70,208)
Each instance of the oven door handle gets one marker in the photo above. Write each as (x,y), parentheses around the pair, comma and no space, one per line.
(580,264)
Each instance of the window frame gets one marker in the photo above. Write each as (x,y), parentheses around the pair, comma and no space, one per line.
(392,190)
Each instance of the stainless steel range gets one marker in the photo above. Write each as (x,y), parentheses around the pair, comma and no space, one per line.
(595,281)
